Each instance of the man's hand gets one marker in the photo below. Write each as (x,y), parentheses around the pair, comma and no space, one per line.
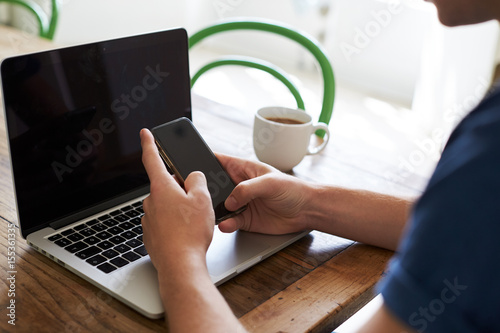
(277,203)
(178,222)
(178,227)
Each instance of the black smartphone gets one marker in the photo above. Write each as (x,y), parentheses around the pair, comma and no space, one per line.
(183,150)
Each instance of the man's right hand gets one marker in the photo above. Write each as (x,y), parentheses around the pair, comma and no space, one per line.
(276,201)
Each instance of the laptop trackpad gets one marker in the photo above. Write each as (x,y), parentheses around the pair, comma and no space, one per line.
(227,251)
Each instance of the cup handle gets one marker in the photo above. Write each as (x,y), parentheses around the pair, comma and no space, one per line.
(318,149)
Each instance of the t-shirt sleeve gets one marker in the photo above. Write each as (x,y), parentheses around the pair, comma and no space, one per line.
(446,274)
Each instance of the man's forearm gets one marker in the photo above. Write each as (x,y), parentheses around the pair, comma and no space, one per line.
(362,216)
(192,302)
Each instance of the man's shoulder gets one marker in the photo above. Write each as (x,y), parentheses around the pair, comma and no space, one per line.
(482,125)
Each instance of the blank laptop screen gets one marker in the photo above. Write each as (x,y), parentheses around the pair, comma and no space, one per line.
(74,116)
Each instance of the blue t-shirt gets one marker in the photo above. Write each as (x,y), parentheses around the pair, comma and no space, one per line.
(446,275)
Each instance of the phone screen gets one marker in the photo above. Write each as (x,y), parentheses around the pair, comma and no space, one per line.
(183,150)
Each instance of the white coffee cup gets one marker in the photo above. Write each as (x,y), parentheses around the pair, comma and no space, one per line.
(284,145)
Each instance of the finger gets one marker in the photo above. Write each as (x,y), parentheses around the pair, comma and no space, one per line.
(247,191)
(151,159)
(229,225)
(196,181)
(232,167)
(241,221)
(241,169)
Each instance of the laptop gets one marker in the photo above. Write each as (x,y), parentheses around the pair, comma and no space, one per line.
(73,117)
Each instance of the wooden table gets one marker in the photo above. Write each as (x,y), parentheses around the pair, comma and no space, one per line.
(312,285)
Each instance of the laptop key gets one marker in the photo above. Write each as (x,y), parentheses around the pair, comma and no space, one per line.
(87,232)
(99,227)
(103,235)
(119,262)
(75,247)
(117,240)
(115,230)
(96,260)
(63,242)
(89,252)
(111,223)
(55,237)
(128,235)
(104,217)
(106,268)
(116,212)
(132,213)
(122,248)
(121,218)
(67,232)
(138,230)
(110,254)
(126,225)
(91,240)
(75,237)
(136,221)
(105,245)
(92,222)
(134,243)
(131,256)
(80,227)
(141,250)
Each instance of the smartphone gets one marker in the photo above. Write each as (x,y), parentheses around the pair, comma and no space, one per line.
(183,150)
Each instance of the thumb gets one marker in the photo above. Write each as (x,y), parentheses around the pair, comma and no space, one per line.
(243,193)
(248,190)
(229,225)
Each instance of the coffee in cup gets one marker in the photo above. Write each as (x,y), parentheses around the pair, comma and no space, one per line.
(281,136)
(285,120)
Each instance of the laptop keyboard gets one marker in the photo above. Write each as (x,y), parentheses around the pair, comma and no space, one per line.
(109,242)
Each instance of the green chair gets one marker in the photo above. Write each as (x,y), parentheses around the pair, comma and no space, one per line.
(47,23)
(307,42)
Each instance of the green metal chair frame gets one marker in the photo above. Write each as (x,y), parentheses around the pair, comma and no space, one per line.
(47,23)
(277,28)
(254,63)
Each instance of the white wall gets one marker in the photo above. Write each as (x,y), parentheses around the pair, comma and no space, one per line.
(456,71)
(376,45)
(88,20)
(83,21)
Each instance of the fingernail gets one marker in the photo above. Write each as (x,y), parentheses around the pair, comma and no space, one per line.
(231,203)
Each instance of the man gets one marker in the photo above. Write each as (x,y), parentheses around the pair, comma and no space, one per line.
(444,276)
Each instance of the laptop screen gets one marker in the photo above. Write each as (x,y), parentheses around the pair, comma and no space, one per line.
(74,115)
